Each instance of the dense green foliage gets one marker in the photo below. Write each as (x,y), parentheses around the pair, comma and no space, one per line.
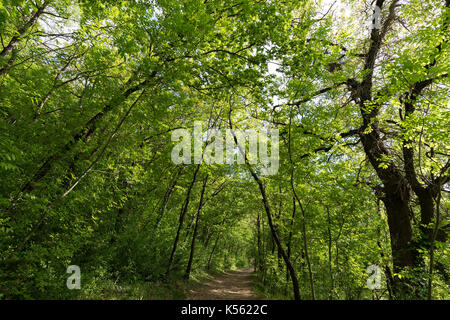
(90,92)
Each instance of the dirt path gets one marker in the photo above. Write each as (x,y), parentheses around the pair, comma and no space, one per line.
(232,285)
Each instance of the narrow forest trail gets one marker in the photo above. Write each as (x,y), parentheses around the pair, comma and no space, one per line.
(232,285)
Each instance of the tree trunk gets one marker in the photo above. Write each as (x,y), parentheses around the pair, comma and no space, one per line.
(167,195)
(213,249)
(83,134)
(194,236)
(302,210)
(11,46)
(330,259)
(181,220)
(403,248)
(275,236)
(258,263)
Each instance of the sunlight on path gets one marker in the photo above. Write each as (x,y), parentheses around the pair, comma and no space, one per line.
(232,285)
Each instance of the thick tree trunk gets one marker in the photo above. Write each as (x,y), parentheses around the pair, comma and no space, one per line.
(398,214)
(396,199)
(404,249)
(396,183)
